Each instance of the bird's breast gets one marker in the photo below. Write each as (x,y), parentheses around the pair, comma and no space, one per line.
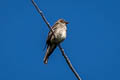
(60,35)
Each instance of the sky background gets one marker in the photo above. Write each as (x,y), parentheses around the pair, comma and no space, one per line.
(92,44)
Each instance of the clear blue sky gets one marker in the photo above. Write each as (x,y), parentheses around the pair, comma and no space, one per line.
(92,44)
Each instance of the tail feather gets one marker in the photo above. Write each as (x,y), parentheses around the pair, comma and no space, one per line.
(49,51)
(46,55)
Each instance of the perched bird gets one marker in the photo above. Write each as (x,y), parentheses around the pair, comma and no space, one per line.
(59,29)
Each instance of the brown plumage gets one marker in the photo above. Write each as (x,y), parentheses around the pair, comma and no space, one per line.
(59,30)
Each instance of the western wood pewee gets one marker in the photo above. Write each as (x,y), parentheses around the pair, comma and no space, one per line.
(59,29)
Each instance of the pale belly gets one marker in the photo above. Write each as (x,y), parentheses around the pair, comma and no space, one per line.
(60,36)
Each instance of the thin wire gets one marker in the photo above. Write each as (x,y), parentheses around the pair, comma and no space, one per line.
(61,49)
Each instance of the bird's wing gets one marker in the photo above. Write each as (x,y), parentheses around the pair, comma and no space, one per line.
(50,34)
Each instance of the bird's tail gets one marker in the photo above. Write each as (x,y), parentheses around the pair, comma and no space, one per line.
(49,51)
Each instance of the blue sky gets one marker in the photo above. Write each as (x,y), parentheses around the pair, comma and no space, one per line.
(92,44)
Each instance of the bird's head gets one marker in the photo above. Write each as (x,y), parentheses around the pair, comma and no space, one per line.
(62,21)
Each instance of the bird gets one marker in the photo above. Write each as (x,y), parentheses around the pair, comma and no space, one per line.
(53,39)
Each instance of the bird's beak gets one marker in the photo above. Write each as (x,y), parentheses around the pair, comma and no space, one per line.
(66,22)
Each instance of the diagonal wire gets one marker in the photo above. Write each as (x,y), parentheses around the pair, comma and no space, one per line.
(61,49)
